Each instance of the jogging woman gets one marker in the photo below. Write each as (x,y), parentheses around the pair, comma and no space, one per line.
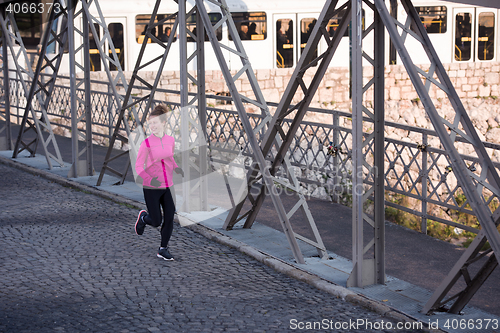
(155,165)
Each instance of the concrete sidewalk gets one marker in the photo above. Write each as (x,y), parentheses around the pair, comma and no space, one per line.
(396,299)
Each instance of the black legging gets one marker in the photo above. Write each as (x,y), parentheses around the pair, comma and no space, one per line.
(154,199)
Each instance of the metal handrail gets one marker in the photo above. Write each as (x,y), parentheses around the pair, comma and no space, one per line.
(460,53)
(282,64)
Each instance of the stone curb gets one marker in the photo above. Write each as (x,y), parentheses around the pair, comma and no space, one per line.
(273,262)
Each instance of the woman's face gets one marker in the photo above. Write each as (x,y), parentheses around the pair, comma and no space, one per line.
(156,125)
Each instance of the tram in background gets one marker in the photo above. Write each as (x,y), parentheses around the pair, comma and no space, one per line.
(275,35)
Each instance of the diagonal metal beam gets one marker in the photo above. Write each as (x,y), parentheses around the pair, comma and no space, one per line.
(275,135)
(128,104)
(39,92)
(243,117)
(117,80)
(138,82)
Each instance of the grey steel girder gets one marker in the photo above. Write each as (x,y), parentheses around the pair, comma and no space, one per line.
(475,182)
(367,179)
(138,82)
(118,80)
(82,160)
(259,157)
(307,62)
(275,134)
(128,103)
(39,92)
(6,130)
(199,100)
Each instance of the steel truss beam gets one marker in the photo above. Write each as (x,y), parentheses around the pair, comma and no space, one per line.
(309,61)
(6,130)
(43,90)
(128,104)
(204,24)
(367,176)
(116,81)
(39,93)
(480,183)
(90,21)
(375,271)
(238,99)
(199,98)
(82,159)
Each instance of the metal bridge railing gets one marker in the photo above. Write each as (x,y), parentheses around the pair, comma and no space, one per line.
(415,166)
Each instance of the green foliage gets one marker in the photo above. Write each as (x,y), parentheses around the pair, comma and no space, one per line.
(436,229)
(401,217)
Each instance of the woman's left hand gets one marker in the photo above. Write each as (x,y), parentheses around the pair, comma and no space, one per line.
(179,171)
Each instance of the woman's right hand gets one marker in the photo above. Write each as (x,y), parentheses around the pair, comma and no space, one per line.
(155,182)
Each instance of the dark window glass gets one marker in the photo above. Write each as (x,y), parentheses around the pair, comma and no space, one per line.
(284,43)
(116,32)
(163,31)
(433,18)
(334,22)
(486,36)
(28,23)
(95,59)
(250,26)
(463,39)
(306,28)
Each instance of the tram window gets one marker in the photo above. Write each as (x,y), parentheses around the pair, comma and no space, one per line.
(191,25)
(250,25)
(162,31)
(284,43)
(95,59)
(463,39)
(334,22)
(433,18)
(116,32)
(486,36)
(306,28)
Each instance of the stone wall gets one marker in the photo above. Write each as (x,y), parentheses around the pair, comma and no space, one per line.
(477,84)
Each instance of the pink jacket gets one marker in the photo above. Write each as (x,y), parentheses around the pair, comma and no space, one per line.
(156,159)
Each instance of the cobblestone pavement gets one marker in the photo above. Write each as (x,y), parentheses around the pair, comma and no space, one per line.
(71,262)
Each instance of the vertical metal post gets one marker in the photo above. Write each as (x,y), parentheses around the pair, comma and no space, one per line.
(202,112)
(183,52)
(475,183)
(186,186)
(5,134)
(109,112)
(88,101)
(379,149)
(392,48)
(80,108)
(73,99)
(424,178)
(357,144)
(336,158)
